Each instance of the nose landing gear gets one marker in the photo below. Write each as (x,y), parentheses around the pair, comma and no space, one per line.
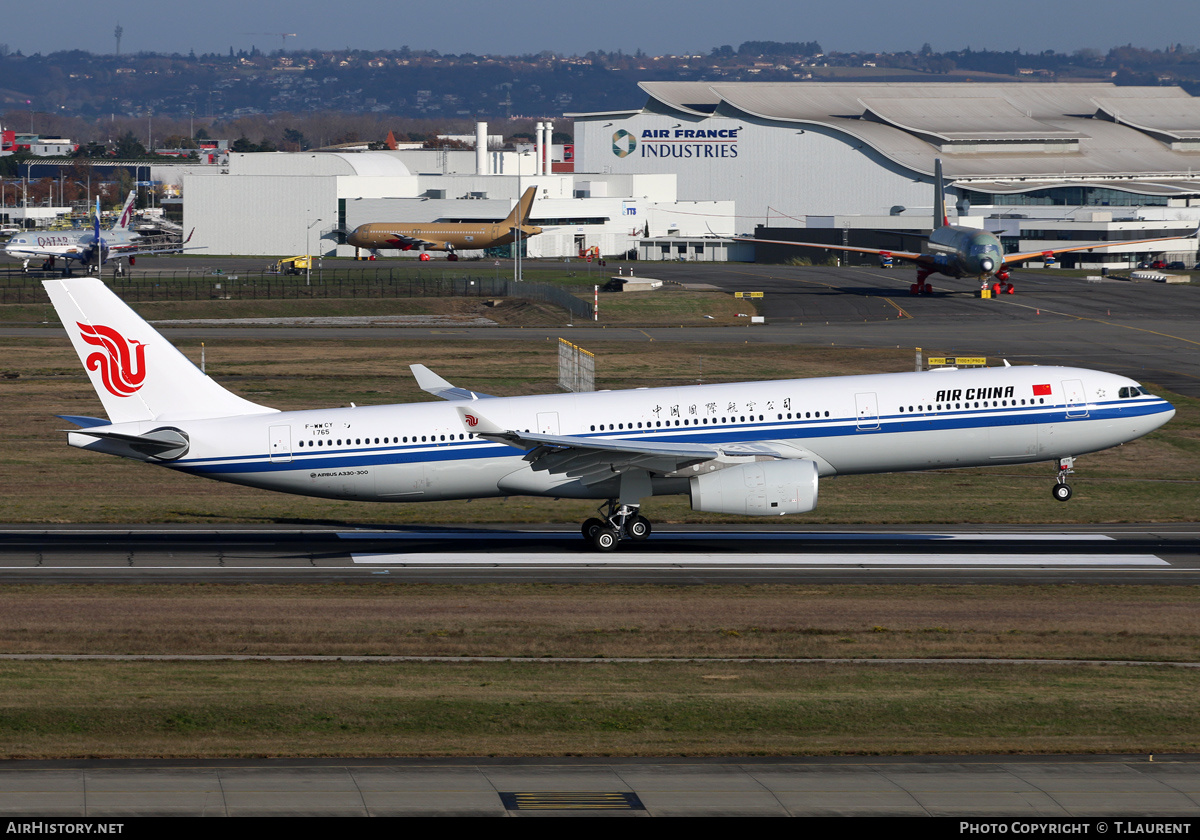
(1002,286)
(1062,490)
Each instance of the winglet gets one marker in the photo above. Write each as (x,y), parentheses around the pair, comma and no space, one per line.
(431,383)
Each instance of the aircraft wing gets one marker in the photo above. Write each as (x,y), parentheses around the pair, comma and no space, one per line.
(910,256)
(1013,259)
(133,249)
(403,241)
(593,459)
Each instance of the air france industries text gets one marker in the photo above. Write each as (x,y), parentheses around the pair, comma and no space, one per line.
(689,142)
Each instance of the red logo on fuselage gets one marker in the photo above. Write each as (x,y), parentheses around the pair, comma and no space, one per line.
(122,365)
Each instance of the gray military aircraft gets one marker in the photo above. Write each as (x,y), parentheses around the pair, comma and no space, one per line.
(958,251)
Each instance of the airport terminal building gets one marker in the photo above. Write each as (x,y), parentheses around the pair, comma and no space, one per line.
(1043,163)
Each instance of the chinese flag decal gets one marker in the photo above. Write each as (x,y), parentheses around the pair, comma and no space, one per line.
(1041,390)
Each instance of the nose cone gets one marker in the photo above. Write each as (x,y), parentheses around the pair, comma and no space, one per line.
(1166,415)
(355,237)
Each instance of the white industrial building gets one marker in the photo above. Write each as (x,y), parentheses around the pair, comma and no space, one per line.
(280,204)
(1042,163)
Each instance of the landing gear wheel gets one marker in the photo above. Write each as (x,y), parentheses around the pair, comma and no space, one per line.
(590,526)
(1062,492)
(604,538)
(638,527)
(914,289)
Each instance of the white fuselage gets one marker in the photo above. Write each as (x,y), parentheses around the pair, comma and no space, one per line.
(851,424)
(67,245)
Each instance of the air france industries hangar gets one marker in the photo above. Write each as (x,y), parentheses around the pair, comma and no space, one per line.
(1043,164)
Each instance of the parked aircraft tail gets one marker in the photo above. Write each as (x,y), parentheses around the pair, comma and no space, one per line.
(137,373)
(520,213)
(125,220)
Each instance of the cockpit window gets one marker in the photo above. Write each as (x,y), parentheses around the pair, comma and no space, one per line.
(1134,391)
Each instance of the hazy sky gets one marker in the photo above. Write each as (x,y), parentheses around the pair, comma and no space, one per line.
(656,26)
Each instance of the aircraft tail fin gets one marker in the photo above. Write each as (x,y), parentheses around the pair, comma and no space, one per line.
(126,218)
(940,219)
(137,373)
(520,213)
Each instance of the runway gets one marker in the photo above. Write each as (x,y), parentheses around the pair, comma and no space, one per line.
(672,555)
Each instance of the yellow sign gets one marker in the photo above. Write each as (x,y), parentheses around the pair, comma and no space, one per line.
(747,294)
(958,361)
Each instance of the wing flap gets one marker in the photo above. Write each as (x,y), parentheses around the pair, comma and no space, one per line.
(595,459)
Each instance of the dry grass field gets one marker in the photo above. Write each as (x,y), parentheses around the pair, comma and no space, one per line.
(247,709)
(1149,624)
(867,704)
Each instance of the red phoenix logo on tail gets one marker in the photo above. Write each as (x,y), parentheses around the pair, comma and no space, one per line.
(122,365)
(471,419)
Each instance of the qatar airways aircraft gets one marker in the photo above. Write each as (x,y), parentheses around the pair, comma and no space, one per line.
(92,249)
(750,448)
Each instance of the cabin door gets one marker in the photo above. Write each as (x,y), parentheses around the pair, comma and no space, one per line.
(547,422)
(279,443)
(1075,398)
(867,411)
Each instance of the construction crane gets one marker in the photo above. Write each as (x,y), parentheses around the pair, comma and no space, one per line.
(283,36)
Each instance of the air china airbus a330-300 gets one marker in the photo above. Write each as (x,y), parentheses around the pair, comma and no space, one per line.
(751,448)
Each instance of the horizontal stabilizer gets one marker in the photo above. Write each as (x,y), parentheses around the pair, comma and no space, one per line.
(160,444)
(431,383)
(81,421)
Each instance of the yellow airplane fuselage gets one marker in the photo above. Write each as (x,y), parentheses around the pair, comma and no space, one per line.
(436,237)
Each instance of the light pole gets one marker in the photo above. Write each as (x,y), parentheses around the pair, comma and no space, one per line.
(308,245)
(517,275)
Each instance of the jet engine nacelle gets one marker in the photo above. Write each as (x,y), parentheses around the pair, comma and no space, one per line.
(763,488)
(88,255)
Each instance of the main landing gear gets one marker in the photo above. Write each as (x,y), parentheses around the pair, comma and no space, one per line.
(619,522)
(921,287)
(1062,490)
